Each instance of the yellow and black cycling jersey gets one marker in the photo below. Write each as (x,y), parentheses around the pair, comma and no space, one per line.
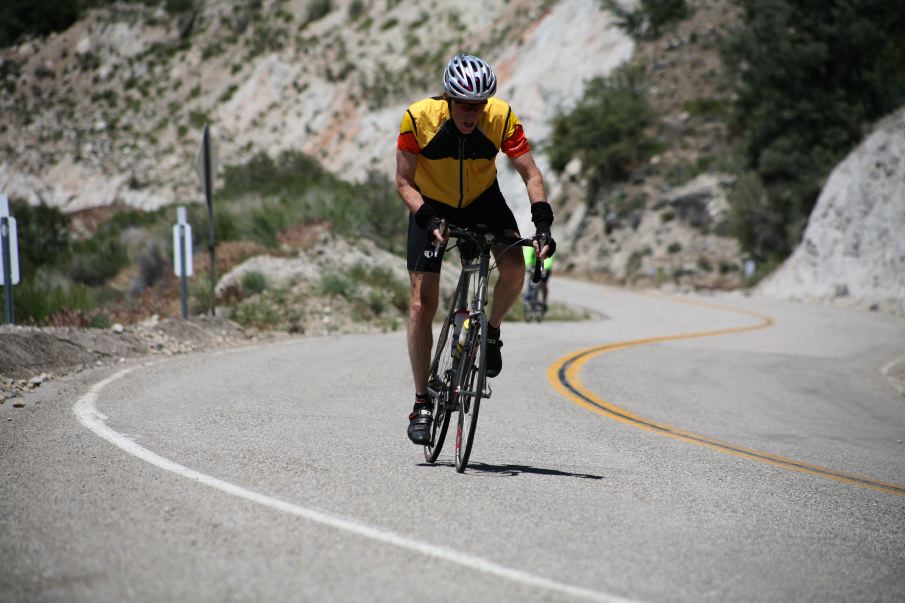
(454,168)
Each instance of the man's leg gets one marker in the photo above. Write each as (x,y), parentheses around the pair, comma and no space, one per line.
(505,293)
(508,286)
(422,307)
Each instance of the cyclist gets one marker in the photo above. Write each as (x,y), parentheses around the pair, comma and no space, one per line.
(530,260)
(446,169)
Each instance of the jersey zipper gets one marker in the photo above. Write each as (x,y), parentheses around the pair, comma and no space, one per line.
(461,170)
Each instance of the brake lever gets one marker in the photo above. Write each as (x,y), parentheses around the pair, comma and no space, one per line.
(539,263)
(442,229)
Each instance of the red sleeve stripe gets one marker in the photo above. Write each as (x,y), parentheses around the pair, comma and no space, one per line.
(516,144)
(407,142)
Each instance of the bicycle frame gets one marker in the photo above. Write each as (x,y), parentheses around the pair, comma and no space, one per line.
(476,305)
(477,309)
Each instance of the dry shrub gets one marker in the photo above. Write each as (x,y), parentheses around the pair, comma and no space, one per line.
(302,237)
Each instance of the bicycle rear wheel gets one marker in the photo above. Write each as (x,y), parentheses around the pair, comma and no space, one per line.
(531,304)
(440,387)
(471,371)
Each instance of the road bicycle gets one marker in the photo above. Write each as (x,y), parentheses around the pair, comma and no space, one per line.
(457,379)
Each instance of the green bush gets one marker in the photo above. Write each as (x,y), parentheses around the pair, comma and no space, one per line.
(201,293)
(38,298)
(225,223)
(43,235)
(253,282)
(606,130)
(318,9)
(266,223)
(153,264)
(259,313)
(396,291)
(20,18)
(175,7)
(198,119)
(649,18)
(810,78)
(356,9)
(635,260)
(337,285)
(706,107)
(753,219)
(100,321)
(296,189)
(97,260)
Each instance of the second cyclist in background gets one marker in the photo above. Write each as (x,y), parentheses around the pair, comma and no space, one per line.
(537,295)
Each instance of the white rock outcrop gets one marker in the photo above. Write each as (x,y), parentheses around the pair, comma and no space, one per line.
(853,250)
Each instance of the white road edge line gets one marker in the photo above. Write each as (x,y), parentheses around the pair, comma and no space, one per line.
(86,411)
(885,370)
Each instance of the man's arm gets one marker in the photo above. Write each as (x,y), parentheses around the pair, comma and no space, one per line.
(406,164)
(534,182)
(537,194)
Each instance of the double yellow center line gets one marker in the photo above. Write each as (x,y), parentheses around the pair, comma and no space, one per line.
(564,375)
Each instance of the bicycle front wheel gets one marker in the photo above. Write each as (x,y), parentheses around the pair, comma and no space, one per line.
(469,384)
(440,386)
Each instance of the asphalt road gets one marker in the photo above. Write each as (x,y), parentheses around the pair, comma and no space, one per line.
(676,449)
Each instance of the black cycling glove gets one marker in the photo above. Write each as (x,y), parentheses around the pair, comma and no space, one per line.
(427,217)
(542,216)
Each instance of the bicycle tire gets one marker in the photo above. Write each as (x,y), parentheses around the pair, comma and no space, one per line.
(469,386)
(441,387)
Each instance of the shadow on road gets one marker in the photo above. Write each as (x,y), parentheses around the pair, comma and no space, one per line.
(513,470)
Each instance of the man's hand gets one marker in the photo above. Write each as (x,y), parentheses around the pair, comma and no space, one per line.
(542,216)
(428,218)
(437,227)
(544,245)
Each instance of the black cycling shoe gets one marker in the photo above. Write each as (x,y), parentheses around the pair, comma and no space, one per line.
(494,356)
(420,423)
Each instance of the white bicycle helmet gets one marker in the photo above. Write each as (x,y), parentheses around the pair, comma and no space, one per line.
(469,78)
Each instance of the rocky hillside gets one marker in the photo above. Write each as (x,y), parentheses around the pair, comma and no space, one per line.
(110,111)
(853,252)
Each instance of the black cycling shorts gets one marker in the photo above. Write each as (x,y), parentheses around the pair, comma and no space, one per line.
(489,208)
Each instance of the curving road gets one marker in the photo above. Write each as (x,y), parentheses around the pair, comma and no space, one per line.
(676,449)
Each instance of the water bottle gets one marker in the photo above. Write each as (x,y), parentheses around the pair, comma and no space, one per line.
(460,340)
(459,319)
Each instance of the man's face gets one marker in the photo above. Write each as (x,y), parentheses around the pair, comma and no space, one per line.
(466,115)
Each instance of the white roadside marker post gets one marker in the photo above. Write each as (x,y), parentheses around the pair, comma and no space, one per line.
(9,257)
(182,257)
